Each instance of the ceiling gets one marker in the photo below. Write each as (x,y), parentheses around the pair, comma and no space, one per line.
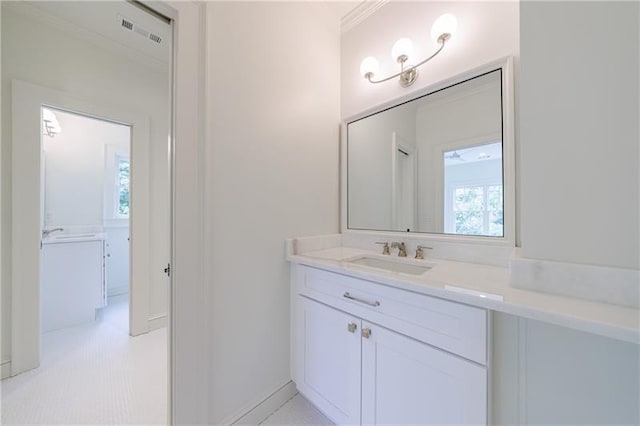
(118,25)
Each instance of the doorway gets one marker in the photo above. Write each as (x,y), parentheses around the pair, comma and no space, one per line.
(403,185)
(86,198)
(77,67)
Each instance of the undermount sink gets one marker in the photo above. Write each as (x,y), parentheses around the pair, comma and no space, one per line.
(391,265)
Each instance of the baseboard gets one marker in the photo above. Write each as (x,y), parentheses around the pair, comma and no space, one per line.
(268,406)
(117,290)
(157,322)
(5,370)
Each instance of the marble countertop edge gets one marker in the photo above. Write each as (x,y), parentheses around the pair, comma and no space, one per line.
(613,321)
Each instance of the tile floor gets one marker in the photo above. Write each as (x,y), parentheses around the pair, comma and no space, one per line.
(297,412)
(93,374)
(97,374)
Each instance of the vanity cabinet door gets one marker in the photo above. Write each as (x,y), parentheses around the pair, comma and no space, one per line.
(408,382)
(328,360)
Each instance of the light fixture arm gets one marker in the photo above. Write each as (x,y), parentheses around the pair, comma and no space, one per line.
(408,76)
(49,128)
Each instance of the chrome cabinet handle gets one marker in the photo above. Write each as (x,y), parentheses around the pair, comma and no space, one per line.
(366,333)
(352,327)
(347,295)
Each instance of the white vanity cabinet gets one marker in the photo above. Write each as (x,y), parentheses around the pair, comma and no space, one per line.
(367,353)
(328,351)
(409,382)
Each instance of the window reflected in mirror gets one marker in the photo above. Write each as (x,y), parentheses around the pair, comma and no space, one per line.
(473,190)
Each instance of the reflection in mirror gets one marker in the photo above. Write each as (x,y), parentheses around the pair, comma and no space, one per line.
(473,190)
(433,164)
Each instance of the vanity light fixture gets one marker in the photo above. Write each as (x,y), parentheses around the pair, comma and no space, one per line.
(443,28)
(50,125)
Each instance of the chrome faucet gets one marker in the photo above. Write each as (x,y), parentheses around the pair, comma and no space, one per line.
(402,249)
(47,232)
(420,253)
(385,248)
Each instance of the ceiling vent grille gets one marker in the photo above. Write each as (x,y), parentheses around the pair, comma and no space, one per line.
(129,25)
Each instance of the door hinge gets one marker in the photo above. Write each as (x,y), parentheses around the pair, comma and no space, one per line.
(167,270)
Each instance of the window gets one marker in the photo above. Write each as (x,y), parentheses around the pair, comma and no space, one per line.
(122,187)
(473,189)
(478,210)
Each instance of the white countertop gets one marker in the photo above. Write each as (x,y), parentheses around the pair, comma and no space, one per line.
(490,289)
(74,238)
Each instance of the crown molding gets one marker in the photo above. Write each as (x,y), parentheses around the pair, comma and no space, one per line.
(359,13)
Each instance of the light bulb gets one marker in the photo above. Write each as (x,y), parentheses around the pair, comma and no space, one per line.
(445,24)
(369,65)
(402,48)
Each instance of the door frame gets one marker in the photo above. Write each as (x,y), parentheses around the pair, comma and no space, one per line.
(188,342)
(27,210)
(398,145)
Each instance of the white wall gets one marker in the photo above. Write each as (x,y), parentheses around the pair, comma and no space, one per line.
(571,104)
(75,166)
(438,128)
(271,173)
(579,133)
(57,59)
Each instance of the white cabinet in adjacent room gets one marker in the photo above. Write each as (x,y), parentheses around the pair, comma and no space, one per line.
(72,280)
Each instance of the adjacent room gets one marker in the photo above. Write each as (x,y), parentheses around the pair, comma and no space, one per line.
(86,124)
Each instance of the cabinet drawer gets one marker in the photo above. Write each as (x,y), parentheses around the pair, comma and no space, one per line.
(454,327)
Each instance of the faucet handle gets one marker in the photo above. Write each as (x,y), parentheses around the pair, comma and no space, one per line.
(419,253)
(385,248)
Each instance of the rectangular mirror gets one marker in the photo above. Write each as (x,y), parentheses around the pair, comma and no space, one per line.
(433,164)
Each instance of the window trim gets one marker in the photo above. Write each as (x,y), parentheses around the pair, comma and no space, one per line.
(116,205)
(449,211)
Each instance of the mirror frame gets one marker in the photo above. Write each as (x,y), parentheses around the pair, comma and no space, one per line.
(508,152)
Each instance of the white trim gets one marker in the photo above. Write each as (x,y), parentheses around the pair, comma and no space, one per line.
(157,322)
(5,370)
(359,13)
(489,365)
(27,208)
(116,223)
(508,144)
(117,290)
(268,406)
(397,146)
(2,231)
(188,334)
(119,158)
(522,371)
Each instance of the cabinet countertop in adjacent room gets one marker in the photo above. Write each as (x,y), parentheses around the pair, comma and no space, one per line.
(486,287)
